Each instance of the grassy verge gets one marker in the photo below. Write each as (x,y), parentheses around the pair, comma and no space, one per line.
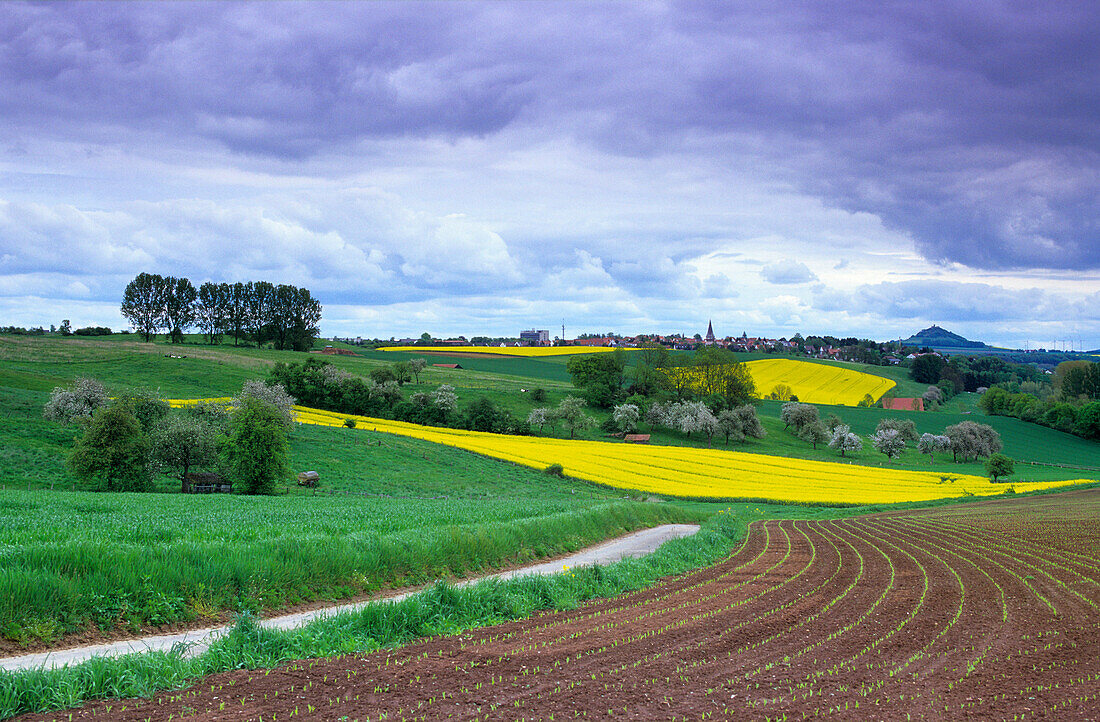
(439,610)
(159,575)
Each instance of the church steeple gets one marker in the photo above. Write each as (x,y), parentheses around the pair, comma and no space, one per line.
(710,332)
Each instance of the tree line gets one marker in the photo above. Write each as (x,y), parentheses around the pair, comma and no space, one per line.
(257,311)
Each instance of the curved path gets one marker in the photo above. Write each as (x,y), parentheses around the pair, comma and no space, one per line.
(637,544)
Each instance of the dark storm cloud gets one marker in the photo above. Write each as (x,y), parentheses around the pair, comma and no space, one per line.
(972,126)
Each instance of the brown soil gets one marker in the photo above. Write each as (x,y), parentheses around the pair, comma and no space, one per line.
(977,611)
(459,354)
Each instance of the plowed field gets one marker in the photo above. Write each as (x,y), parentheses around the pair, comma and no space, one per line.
(988,610)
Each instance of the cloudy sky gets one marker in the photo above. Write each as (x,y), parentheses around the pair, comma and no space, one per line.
(855,167)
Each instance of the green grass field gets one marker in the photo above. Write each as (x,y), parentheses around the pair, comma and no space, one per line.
(30,366)
(225,552)
(410,511)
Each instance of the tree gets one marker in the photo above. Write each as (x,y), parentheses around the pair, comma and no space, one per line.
(445,399)
(932,395)
(402,373)
(182,441)
(259,302)
(781,392)
(147,407)
(998,465)
(831,422)
(483,415)
(796,414)
(77,403)
(707,424)
(274,394)
(888,442)
(382,374)
(144,301)
(729,424)
(179,307)
(844,440)
(306,319)
(540,417)
(112,455)
(599,376)
(237,310)
(1088,421)
(212,310)
(626,417)
(930,444)
(258,451)
(906,429)
(751,428)
(926,368)
(716,372)
(415,366)
(650,362)
(815,433)
(570,412)
(972,440)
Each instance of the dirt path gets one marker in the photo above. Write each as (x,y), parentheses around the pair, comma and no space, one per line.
(631,545)
(983,611)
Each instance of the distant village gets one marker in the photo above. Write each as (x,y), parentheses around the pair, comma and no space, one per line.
(840,349)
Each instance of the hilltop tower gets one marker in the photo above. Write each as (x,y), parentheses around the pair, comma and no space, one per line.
(710,333)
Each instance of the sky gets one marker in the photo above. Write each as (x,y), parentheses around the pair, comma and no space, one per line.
(855,168)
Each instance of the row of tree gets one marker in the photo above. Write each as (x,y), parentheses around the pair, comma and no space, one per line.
(317,383)
(711,374)
(970,373)
(967,440)
(1072,417)
(262,312)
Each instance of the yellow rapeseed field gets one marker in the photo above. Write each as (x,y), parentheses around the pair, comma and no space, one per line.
(529,351)
(701,473)
(815,383)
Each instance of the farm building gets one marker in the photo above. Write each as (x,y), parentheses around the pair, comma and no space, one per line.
(903,404)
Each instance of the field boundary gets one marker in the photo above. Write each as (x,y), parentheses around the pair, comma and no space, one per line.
(196,641)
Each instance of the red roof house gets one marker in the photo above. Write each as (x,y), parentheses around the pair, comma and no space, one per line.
(903,404)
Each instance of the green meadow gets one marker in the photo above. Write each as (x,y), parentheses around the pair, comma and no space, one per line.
(390,510)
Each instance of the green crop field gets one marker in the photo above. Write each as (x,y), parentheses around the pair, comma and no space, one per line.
(75,559)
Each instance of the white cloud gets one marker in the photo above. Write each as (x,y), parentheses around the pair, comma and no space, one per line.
(787,272)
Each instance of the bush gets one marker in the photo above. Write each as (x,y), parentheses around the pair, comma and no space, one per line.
(538,395)
(555,470)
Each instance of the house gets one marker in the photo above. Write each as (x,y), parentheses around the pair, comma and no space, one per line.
(446,366)
(902,404)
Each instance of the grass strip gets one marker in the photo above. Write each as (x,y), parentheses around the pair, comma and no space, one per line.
(129,583)
(441,609)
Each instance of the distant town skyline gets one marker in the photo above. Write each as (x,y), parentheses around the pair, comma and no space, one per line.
(850,168)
